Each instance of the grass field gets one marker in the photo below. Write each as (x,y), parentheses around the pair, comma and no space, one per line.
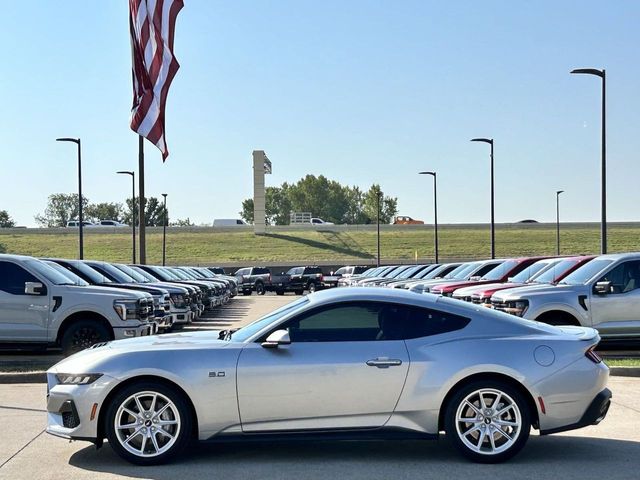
(206,246)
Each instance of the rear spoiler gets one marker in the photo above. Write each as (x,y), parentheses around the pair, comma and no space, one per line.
(585,334)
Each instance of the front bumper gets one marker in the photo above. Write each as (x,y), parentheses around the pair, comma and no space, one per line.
(141,330)
(595,413)
(69,407)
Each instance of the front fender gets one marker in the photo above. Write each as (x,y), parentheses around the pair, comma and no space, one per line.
(576,311)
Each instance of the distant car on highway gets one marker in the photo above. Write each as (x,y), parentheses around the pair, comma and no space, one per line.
(346,363)
(75,223)
(406,220)
(229,222)
(109,223)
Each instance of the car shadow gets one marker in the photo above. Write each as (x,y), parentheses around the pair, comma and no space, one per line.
(562,457)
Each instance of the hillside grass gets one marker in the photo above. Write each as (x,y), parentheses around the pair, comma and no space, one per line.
(308,246)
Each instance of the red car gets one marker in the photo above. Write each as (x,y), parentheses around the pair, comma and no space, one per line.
(551,275)
(499,274)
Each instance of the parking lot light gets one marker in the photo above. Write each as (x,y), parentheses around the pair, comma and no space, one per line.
(558,221)
(133,209)
(164,230)
(80,218)
(435,212)
(493,223)
(603,198)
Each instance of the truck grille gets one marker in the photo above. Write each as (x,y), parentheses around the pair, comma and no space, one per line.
(498,305)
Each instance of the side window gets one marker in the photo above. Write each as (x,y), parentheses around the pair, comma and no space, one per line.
(624,278)
(346,322)
(423,322)
(242,271)
(13,278)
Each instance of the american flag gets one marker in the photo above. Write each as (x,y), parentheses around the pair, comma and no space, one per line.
(152,24)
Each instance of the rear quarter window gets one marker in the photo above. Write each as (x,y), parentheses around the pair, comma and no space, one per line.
(423,322)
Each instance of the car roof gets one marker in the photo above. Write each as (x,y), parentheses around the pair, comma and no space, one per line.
(619,256)
(372,294)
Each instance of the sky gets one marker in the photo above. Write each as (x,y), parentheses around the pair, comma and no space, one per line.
(361,91)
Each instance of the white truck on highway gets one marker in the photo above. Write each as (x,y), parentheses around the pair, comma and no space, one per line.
(40,307)
(604,294)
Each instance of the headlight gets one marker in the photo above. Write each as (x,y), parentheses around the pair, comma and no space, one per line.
(517,307)
(77,379)
(127,309)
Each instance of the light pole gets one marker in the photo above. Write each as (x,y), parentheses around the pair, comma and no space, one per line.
(378,220)
(603,199)
(164,230)
(493,223)
(133,209)
(435,212)
(558,221)
(80,218)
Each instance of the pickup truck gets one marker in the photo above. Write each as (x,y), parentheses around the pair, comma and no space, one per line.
(40,306)
(253,278)
(297,280)
(603,294)
(330,281)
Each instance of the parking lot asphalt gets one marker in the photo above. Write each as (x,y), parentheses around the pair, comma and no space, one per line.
(609,450)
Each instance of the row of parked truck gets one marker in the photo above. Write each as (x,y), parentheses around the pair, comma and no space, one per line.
(74,304)
(595,291)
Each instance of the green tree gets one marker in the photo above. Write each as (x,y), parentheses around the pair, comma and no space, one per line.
(388,205)
(247,210)
(154,212)
(182,222)
(5,220)
(61,207)
(3,249)
(104,211)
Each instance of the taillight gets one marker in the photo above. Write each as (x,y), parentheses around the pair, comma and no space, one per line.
(592,355)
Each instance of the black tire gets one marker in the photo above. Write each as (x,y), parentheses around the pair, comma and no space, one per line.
(299,292)
(260,288)
(82,335)
(183,433)
(279,292)
(311,287)
(246,292)
(450,421)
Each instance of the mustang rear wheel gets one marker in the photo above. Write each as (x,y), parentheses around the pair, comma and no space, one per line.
(488,421)
(148,423)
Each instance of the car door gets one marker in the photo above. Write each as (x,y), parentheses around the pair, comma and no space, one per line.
(339,371)
(617,312)
(23,318)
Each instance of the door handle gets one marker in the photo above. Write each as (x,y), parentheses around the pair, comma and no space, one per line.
(383,362)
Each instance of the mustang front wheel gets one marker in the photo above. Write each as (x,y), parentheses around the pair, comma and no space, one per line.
(148,423)
(488,422)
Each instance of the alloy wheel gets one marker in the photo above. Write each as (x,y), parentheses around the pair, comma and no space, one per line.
(488,421)
(147,424)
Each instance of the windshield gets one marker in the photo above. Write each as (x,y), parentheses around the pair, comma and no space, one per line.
(583,274)
(48,272)
(162,274)
(145,274)
(248,331)
(552,274)
(410,271)
(462,271)
(501,270)
(75,279)
(108,269)
(131,272)
(179,273)
(532,270)
(342,271)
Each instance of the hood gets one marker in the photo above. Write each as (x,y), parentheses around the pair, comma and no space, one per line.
(451,286)
(109,291)
(532,291)
(484,291)
(87,361)
(471,289)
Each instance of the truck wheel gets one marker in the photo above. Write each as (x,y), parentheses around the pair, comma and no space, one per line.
(299,292)
(311,287)
(260,288)
(148,423)
(246,292)
(279,292)
(82,335)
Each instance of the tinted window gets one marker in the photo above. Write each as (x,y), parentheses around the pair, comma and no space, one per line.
(47,272)
(498,272)
(13,278)
(462,271)
(423,322)
(242,271)
(624,278)
(312,270)
(532,270)
(552,274)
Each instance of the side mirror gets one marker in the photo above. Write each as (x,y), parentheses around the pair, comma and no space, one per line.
(475,278)
(33,288)
(602,288)
(279,337)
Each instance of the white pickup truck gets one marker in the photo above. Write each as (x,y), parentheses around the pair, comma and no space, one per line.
(40,307)
(604,294)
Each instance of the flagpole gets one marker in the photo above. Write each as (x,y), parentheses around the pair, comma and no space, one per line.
(141,199)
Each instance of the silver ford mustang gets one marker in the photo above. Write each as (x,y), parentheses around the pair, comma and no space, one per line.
(343,363)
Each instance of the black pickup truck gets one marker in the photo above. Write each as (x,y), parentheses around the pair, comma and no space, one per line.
(297,280)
